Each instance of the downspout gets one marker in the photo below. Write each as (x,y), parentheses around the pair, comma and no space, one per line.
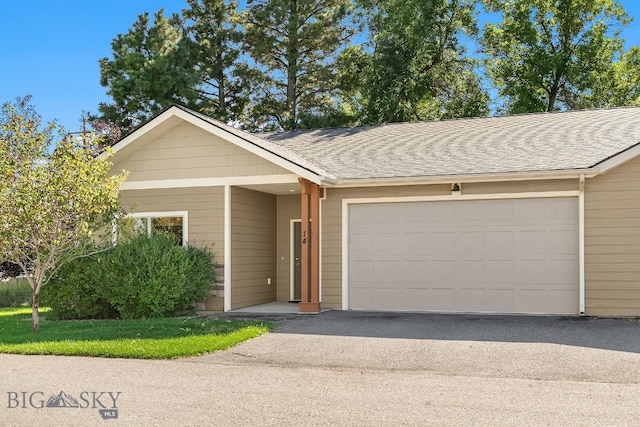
(581,249)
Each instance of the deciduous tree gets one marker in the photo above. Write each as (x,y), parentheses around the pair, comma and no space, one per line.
(52,201)
(414,67)
(551,54)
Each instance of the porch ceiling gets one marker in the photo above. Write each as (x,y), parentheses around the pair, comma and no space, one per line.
(277,189)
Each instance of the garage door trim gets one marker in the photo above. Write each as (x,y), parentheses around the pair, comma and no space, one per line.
(461,197)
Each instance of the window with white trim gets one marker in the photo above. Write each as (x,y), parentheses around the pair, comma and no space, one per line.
(171,223)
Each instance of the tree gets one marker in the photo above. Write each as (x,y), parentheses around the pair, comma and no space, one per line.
(550,54)
(620,86)
(414,68)
(214,45)
(294,43)
(151,69)
(52,203)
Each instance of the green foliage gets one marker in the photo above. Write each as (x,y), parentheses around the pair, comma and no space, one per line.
(547,55)
(617,86)
(154,277)
(294,43)
(52,202)
(76,291)
(414,67)
(140,277)
(14,293)
(214,43)
(166,338)
(151,69)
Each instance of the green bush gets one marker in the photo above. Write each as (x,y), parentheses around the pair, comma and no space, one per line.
(14,293)
(76,292)
(154,277)
(141,277)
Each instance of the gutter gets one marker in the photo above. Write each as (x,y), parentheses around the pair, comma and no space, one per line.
(448,179)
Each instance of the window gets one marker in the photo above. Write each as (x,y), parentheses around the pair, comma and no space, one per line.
(171,223)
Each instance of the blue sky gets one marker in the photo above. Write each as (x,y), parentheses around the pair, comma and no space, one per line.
(50,49)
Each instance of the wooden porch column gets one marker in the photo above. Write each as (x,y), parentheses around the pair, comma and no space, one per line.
(310,251)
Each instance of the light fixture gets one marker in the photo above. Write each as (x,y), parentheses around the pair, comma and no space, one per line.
(455,187)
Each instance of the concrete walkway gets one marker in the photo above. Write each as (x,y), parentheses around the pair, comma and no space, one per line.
(354,368)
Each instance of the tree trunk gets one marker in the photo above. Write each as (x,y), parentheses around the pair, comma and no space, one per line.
(222,96)
(553,94)
(292,66)
(35,315)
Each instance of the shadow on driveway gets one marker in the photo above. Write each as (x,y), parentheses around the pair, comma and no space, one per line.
(601,333)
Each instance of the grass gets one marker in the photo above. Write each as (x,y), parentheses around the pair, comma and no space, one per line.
(166,338)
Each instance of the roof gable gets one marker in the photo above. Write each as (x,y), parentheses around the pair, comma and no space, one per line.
(173,116)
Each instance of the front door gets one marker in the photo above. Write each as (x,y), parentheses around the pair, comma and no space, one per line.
(296,249)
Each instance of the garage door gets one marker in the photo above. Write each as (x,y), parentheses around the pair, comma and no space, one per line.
(505,256)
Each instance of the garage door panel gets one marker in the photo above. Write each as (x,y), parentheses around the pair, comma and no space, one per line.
(500,271)
(559,299)
(362,243)
(499,298)
(417,242)
(362,271)
(442,299)
(441,270)
(417,215)
(562,271)
(471,241)
(441,213)
(500,213)
(472,298)
(413,298)
(386,242)
(470,214)
(515,255)
(385,271)
(414,271)
(386,214)
(500,240)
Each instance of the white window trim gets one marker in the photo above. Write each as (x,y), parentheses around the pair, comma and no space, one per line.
(183,214)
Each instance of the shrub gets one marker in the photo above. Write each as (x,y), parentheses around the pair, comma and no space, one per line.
(76,292)
(14,293)
(141,277)
(154,277)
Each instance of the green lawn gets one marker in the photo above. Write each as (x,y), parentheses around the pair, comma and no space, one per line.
(166,338)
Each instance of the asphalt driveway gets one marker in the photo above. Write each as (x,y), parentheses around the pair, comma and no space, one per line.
(358,368)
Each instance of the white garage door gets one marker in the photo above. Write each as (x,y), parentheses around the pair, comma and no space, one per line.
(505,256)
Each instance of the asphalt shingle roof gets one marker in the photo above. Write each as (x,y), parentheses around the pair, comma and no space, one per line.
(522,143)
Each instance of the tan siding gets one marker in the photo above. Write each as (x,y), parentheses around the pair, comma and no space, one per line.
(612,242)
(205,207)
(187,151)
(253,247)
(288,209)
(520,186)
